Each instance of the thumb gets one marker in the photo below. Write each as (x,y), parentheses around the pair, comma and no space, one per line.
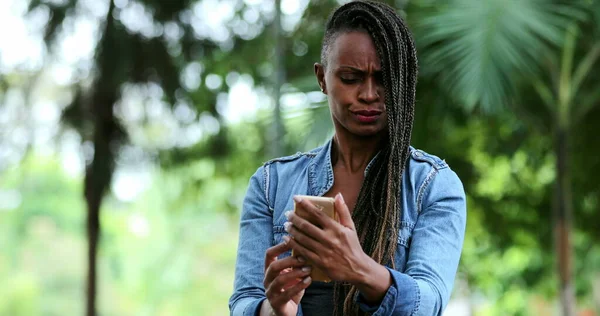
(343,212)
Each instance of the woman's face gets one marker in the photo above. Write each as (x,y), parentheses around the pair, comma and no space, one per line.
(353,82)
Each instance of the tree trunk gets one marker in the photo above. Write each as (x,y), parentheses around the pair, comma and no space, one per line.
(563,216)
(278,129)
(97,181)
(93,231)
(106,137)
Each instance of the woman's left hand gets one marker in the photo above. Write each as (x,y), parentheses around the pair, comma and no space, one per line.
(333,247)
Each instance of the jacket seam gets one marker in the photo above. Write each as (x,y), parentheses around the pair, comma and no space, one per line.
(401,240)
(418,300)
(292,157)
(434,161)
(267,173)
(424,187)
(267,184)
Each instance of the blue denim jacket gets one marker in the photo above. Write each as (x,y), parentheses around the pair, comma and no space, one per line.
(429,245)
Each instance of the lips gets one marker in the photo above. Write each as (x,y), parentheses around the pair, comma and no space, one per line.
(367,116)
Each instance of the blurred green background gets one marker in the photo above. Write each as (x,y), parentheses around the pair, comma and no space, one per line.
(140,122)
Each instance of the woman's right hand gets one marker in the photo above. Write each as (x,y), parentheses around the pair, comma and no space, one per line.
(285,281)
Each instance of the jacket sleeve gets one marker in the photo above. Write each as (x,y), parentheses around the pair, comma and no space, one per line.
(255,236)
(425,286)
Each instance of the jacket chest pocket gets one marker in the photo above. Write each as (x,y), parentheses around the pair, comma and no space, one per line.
(404,239)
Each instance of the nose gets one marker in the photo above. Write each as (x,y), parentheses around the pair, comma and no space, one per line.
(369,91)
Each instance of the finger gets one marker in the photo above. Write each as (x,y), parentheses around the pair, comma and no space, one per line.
(284,281)
(291,282)
(303,235)
(343,212)
(305,226)
(277,267)
(297,288)
(272,253)
(312,213)
(300,249)
(291,292)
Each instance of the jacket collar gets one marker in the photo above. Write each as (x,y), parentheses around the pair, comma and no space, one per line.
(320,170)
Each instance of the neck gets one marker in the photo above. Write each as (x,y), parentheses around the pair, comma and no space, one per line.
(353,152)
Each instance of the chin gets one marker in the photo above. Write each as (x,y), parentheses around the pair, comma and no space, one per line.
(360,130)
(367,131)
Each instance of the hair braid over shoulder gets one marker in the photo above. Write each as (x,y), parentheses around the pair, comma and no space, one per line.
(378,208)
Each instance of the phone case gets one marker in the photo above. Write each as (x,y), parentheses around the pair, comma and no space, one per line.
(326,204)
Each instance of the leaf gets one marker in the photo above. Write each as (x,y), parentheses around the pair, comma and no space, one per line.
(585,66)
(476,50)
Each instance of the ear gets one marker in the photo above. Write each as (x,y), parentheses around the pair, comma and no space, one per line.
(320,74)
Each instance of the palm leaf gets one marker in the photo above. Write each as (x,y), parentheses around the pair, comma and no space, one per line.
(477,48)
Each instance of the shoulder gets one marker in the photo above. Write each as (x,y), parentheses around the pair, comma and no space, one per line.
(285,165)
(296,158)
(425,160)
(432,177)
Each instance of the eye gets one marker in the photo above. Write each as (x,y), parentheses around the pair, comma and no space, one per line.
(349,79)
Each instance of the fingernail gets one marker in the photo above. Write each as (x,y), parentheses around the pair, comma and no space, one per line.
(297,199)
(306,269)
(306,280)
(301,259)
(286,226)
(341,197)
(287,214)
(286,239)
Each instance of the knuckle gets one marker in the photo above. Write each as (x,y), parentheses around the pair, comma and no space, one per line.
(269,253)
(325,263)
(337,243)
(296,226)
(273,265)
(269,294)
(301,225)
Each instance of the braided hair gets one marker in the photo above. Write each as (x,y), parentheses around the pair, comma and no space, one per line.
(378,208)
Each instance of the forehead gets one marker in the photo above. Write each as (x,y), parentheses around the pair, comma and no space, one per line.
(355,48)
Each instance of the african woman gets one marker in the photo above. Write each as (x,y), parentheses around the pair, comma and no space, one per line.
(402,212)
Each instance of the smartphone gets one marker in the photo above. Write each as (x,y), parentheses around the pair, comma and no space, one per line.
(326,205)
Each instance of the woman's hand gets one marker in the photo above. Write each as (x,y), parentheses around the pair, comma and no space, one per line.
(335,248)
(285,281)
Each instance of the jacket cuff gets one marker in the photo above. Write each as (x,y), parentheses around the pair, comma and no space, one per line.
(392,303)
(253,308)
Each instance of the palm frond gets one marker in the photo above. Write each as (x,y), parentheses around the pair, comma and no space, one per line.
(476,49)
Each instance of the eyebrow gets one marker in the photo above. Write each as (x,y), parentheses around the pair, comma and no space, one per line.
(344,67)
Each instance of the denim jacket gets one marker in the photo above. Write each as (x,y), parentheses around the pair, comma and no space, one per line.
(429,244)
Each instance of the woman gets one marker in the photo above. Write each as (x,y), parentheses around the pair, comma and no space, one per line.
(402,212)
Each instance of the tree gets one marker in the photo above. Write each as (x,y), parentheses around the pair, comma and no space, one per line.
(131,56)
(475,48)
(477,61)
(476,56)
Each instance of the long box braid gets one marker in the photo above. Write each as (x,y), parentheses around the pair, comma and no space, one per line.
(378,208)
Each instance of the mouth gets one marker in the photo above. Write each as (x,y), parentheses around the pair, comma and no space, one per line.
(367,116)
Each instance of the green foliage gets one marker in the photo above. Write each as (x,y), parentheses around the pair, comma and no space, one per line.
(172,250)
(42,241)
(156,258)
(477,47)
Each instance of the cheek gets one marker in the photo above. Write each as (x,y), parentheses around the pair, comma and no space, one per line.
(341,95)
